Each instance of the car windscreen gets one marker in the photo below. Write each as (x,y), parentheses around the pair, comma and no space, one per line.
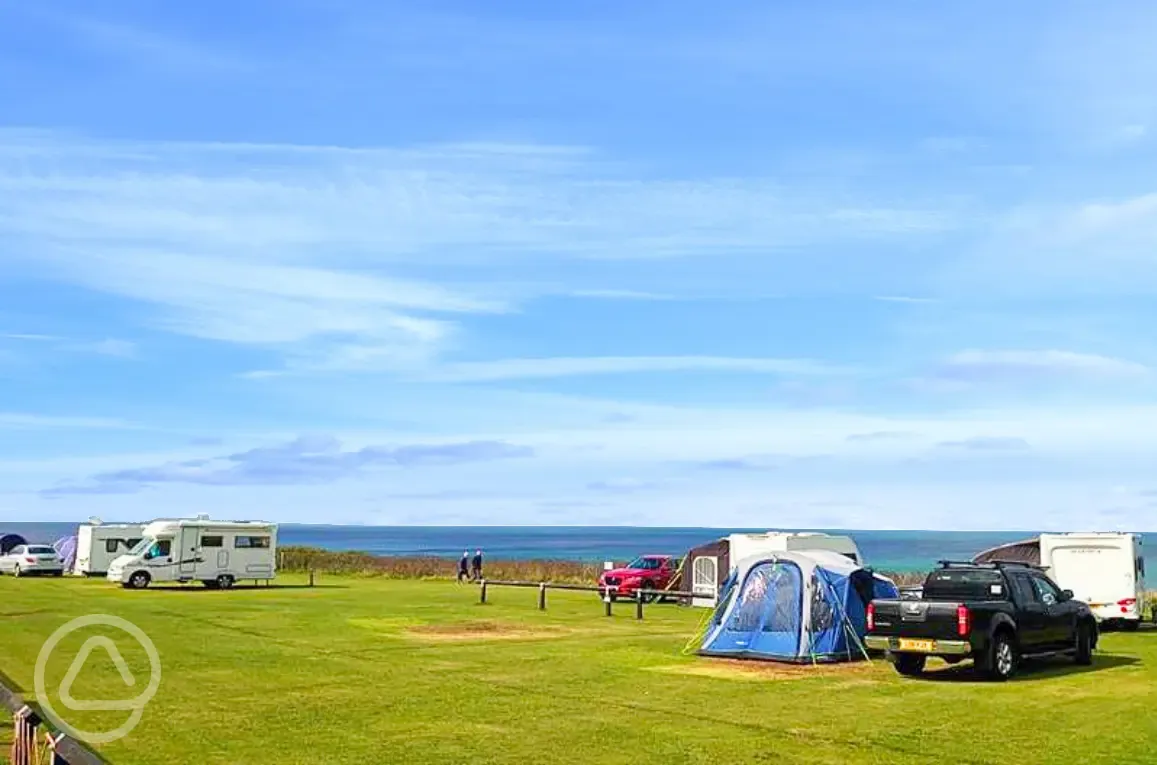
(966,584)
(646,563)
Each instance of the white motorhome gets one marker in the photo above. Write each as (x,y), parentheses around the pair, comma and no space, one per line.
(98,544)
(1105,570)
(215,553)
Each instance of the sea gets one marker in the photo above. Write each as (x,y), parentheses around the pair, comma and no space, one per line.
(899,551)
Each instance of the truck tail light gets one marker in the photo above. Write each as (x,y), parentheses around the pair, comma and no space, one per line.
(871,616)
(963,621)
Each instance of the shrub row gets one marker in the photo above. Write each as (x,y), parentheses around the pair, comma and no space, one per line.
(300,559)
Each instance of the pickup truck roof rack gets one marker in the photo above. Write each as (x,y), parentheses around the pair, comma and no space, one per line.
(994,564)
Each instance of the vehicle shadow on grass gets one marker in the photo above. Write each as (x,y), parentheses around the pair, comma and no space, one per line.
(1032,669)
(248,587)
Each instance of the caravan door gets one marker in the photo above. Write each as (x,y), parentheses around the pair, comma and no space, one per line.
(188,551)
(705,581)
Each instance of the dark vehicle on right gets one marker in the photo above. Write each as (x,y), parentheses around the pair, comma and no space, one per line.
(993,613)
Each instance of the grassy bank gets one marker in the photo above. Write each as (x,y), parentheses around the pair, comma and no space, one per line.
(370,669)
(302,559)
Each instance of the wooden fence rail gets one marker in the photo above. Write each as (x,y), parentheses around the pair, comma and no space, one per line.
(34,744)
(608,599)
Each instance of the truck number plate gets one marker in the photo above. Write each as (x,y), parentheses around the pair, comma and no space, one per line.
(916,645)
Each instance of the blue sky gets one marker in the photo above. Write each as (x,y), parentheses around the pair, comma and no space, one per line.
(858,265)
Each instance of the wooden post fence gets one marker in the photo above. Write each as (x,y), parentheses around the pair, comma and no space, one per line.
(28,725)
(641,596)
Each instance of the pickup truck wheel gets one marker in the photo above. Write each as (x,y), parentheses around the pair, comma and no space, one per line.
(1084,648)
(1001,662)
(910,665)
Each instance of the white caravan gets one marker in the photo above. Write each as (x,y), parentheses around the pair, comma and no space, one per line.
(746,545)
(1105,570)
(215,553)
(98,544)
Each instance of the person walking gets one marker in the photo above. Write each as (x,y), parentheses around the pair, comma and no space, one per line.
(476,566)
(463,566)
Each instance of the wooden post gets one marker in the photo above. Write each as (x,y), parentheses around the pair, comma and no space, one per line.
(639,605)
(311,576)
(483,592)
(542,597)
(607,600)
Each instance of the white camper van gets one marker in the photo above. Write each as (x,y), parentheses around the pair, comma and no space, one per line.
(746,545)
(215,553)
(98,544)
(1105,570)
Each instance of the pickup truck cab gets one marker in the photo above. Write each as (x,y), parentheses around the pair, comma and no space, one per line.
(995,614)
(648,572)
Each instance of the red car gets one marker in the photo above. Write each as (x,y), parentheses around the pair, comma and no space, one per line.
(649,572)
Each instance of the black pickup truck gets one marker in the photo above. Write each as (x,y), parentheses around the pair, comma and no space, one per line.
(993,613)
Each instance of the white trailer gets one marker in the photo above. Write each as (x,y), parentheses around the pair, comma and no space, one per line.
(98,544)
(1104,569)
(215,553)
(746,545)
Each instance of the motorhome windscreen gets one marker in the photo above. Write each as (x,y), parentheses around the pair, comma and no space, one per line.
(140,547)
(968,584)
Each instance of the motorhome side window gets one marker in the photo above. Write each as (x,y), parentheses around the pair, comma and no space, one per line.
(252,542)
(131,543)
(212,541)
(111,545)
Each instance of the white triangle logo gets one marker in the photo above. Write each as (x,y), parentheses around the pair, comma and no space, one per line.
(78,663)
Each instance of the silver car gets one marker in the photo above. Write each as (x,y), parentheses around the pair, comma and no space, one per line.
(32,559)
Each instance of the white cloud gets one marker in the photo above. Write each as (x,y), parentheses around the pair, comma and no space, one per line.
(997,364)
(24,421)
(513,369)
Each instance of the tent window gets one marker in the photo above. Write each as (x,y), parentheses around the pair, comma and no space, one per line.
(822,614)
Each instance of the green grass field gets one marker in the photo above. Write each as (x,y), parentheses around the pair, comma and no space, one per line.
(371,670)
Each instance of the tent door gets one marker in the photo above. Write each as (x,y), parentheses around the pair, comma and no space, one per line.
(705,581)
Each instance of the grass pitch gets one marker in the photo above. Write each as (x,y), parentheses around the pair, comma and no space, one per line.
(374,670)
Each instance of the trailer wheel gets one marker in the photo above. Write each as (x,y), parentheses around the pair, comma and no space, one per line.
(210,584)
(139,580)
(224,582)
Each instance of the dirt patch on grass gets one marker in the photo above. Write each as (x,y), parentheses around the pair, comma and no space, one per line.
(465,632)
(765,671)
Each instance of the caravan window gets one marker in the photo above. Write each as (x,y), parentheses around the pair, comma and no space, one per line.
(1141,567)
(251,542)
(111,545)
(212,541)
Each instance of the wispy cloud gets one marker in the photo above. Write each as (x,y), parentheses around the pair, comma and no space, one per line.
(22,421)
(309,459)
(621,486)
(513,369)
(302,249)
(1022,365)
(881,435)
(987,443)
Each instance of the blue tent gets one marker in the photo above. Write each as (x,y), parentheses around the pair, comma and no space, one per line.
(803,606)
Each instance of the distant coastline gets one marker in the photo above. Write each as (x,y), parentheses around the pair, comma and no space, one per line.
(894,551)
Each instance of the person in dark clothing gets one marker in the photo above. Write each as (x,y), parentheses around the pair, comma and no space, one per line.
(463,566)
(476,566)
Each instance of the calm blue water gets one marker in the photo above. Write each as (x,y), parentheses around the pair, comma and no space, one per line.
(884,550)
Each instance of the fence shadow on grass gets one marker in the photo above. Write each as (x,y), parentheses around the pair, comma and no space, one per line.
(1031,669)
